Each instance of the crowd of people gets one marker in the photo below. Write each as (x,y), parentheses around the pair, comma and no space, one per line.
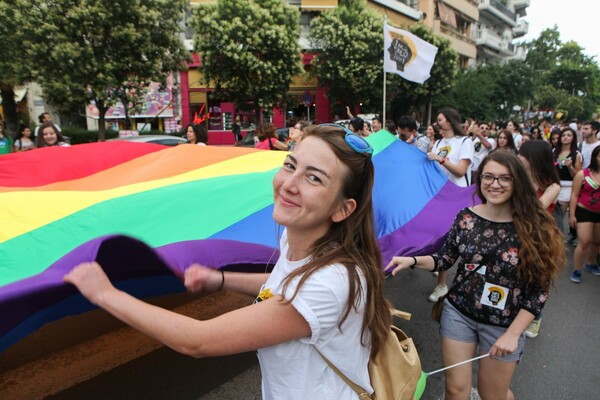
(46,134)
(325,292)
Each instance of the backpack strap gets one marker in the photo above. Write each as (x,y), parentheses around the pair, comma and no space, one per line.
(362,393)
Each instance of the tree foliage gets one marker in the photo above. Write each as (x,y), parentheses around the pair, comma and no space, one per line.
(489,92)
(565,78)
(249,49)
(348,42)
(410,96)
(14,70)
(83,51)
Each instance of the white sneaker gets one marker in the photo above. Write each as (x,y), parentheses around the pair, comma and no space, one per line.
(533,329)
(438,292)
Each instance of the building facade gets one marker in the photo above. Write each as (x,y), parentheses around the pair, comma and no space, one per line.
(500,21)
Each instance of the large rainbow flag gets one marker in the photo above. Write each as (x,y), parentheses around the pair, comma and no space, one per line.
(146,212)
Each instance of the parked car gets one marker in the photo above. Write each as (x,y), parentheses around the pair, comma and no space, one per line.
(166,140)
(248,140)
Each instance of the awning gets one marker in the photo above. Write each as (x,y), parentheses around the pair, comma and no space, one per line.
(447,14)
(318,5)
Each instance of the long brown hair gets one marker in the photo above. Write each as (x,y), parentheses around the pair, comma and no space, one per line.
(39,140)
(542,251)
(352,242)
(266,130)
(539,155)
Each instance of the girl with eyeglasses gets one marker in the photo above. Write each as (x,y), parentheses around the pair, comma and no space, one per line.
(324,294)
(511,252)
(295,135)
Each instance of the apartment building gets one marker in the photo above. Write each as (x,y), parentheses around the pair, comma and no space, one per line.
(500,21)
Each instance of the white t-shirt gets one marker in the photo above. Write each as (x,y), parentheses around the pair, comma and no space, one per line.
(586,152)
(455,149)
(518,138)
(294,370)
(480,152)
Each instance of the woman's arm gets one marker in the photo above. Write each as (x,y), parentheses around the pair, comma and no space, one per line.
(457,169)
(507,343)
(400,263)
(278,145)
(550,195)
(199,278)
(575,192)
(574,166)
(237,331)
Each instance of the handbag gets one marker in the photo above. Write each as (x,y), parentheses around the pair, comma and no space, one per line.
(395,370)
(438,307)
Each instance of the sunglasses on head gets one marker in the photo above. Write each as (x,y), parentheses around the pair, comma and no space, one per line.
(354,141)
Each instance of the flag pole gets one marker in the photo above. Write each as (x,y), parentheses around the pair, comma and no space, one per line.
(384,96)
(384,74)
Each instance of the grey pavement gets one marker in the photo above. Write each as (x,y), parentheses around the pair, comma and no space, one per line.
(561,363)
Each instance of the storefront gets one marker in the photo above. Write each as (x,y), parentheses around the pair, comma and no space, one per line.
(159,112)
(304,100)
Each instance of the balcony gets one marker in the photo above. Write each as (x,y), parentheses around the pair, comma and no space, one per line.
(520,4)
(497,12)
(487,38)
(521,29)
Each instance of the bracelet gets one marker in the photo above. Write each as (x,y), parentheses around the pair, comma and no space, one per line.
(442,161)
(222,280)
(415,262)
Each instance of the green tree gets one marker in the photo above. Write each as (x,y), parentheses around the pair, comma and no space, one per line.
(542,52)
(348,42)
(471,95)
(14,68)
(564,77)
(410,96)
(249,50)
(83,51)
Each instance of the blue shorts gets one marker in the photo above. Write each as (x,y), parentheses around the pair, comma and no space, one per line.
(456,326)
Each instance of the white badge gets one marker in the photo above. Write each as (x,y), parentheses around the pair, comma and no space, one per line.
(473,267)
(494,296)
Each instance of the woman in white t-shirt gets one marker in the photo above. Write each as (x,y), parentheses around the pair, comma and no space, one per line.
(454,153)
(325,292)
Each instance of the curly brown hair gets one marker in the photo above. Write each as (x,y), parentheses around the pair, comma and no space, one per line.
(542,252)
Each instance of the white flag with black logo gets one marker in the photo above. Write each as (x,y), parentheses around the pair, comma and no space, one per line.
(407,55)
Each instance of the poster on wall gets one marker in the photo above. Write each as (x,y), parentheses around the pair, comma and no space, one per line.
(158,103)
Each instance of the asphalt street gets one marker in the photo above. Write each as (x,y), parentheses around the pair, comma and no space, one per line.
(561,363)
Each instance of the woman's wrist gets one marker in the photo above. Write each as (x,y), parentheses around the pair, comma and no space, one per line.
(414,262)
(222,280)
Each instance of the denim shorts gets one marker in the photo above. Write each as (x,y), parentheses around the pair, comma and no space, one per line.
(456,326)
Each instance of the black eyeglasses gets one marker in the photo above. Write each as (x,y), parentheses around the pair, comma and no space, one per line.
(503,180)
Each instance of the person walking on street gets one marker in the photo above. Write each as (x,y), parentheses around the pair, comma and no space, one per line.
(236,129)
(568,163)
(454,154)
(511,252)
(6,142)
(537,160)
(324,295)
(584,215)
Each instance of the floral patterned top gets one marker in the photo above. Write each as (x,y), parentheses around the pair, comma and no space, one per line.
(493,293)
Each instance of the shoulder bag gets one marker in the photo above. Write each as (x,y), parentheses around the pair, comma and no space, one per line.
(395,370)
